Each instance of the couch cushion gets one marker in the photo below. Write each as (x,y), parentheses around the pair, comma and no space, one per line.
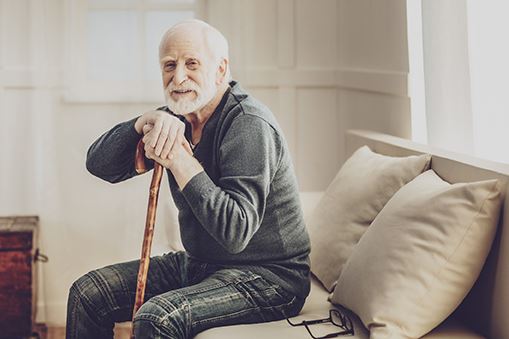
(309,200)
(421,255)
(317,306)
(361,188)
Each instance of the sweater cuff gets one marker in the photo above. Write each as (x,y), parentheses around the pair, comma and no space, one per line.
(198,188)
(131,133)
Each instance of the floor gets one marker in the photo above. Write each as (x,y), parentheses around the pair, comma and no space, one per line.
(122,331)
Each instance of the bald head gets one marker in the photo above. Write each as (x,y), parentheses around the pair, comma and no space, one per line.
(213,41)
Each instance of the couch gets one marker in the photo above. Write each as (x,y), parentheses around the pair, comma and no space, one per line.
(483,313)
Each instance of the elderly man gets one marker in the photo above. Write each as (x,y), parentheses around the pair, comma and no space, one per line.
(231,177)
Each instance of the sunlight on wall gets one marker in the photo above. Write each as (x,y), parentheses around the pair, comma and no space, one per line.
(416,90)
(110,33)
(489,73)
(112,50)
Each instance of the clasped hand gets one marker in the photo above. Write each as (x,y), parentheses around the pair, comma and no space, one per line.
(163,136)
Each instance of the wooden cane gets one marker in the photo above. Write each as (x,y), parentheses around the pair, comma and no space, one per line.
(149,225)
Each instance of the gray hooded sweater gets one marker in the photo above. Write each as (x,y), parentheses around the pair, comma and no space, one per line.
(243,211)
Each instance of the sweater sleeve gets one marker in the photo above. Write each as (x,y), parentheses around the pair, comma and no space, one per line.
(111,157)
(232,210)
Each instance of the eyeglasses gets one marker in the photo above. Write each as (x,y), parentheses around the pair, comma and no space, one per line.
(335,317)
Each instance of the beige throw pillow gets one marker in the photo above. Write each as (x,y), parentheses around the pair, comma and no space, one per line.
(361,188)
(421,256)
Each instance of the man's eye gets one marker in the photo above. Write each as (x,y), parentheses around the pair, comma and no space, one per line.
(169,66)
(192,64)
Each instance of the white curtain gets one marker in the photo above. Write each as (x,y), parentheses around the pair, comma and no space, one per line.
(488,29)
(446,74)
(465,74)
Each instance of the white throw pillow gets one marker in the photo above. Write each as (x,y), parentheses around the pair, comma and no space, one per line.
(361,188)
(421,255)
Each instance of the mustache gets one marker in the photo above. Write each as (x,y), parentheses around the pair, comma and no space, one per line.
(188,87)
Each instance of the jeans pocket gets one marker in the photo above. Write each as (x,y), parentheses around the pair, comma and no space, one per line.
(273,298)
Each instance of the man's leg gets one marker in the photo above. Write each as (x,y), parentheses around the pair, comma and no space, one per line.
(102,297)
(226,297)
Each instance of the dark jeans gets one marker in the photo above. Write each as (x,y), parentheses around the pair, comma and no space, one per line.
(183,297)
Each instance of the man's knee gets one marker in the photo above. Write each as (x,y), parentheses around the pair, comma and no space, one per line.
(84,290)
(165,316)
(86,294)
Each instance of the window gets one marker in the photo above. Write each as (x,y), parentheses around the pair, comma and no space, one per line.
(113,47)
(489,72)
(464,73)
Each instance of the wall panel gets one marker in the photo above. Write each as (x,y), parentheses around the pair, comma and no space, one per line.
(372,67)
(260,31)
(372,34)
(269,97)
(376,112)
(285,53)
(16,153)
(15,21)
(318,137)
(316,33)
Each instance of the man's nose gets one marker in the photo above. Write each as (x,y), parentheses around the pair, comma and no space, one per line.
(180,75)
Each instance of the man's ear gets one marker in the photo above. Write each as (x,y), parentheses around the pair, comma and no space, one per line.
(222,71)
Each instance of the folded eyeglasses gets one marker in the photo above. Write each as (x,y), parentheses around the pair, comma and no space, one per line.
(335,317)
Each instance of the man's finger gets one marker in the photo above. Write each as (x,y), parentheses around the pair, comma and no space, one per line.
(172,136)
(147,138)
(147,154)
(187,147)
(147,128)
(148,150)
(161,140)
(166,149)
(156,131)
(180,142)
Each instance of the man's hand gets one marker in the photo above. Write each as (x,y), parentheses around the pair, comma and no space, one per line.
(180,161)
(164,130)
(180,151)
(178,158)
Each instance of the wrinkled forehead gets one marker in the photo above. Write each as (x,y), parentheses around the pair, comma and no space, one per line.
(184,41)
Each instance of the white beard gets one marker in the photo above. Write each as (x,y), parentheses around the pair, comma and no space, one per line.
(184,105)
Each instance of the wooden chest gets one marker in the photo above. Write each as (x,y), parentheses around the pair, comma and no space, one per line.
(18,246)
